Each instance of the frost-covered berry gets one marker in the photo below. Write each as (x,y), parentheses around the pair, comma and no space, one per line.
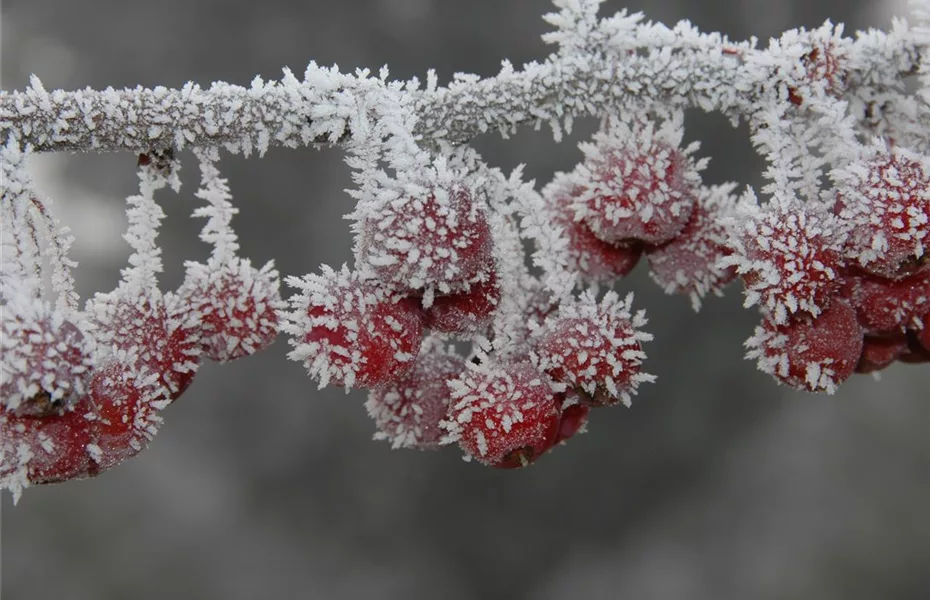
(690,263)
(351,332)
(573,418)
(407,412)
(808,353)
(638,183)
(503,415)
(789,257)
(889,305)
(886,202)
(236,305)
(879,352)
(126,407)
(149,332)
(596,347)
(48,449)
(465,312)
(438,239)
(44,359)
(595,260)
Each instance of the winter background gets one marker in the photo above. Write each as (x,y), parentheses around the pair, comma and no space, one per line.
(716,484)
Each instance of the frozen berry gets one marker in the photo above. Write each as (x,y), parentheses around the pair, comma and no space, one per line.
(408,411)
(789,257)
(690,263)
(879,352)
(573,418)
(141,331)
(595,260)
(813,354)
(889,305)
(464,312)
(236,305)
(504,416)
(439,239)
(351,332)
(46,359)
(886,201)
(596,347)
(126,408)
(47,449)
(639,184)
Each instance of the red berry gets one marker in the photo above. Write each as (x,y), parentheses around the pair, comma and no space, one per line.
(574,417)
(888,305)
(886,201)
(465,312)
(236,305)
(351,332)
(595,347)
(595,260)
(151,334)
(440,239)
(46,449)
(126,408)
(639,185)
(789,257)
(879,352)
(504,416)
(813,354)
(408,411)
(689,264)
(46,359)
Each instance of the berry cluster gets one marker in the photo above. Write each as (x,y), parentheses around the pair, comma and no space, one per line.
(637,193)
(843,287)
(427,274)
(83,390)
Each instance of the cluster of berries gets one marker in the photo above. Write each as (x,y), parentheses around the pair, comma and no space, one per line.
(843,286)
(430,274)
(82,390)
(638,193)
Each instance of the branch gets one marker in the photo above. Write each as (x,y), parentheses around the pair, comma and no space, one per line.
(628,63)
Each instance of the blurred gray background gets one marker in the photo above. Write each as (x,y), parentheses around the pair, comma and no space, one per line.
(716,484)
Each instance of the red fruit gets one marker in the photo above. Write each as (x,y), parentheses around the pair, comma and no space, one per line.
(887,305)
(351,332)
(465,312)
(595,260)
(46,359)
(639,185)
(689,264)
(48,449)
(439,240)
(408,411)
(886,202)
(880,352)
(143,334)
(595,347)
(574,417)
(126,409)
(789,257)
(235,304)
(504,416)
(813,354)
